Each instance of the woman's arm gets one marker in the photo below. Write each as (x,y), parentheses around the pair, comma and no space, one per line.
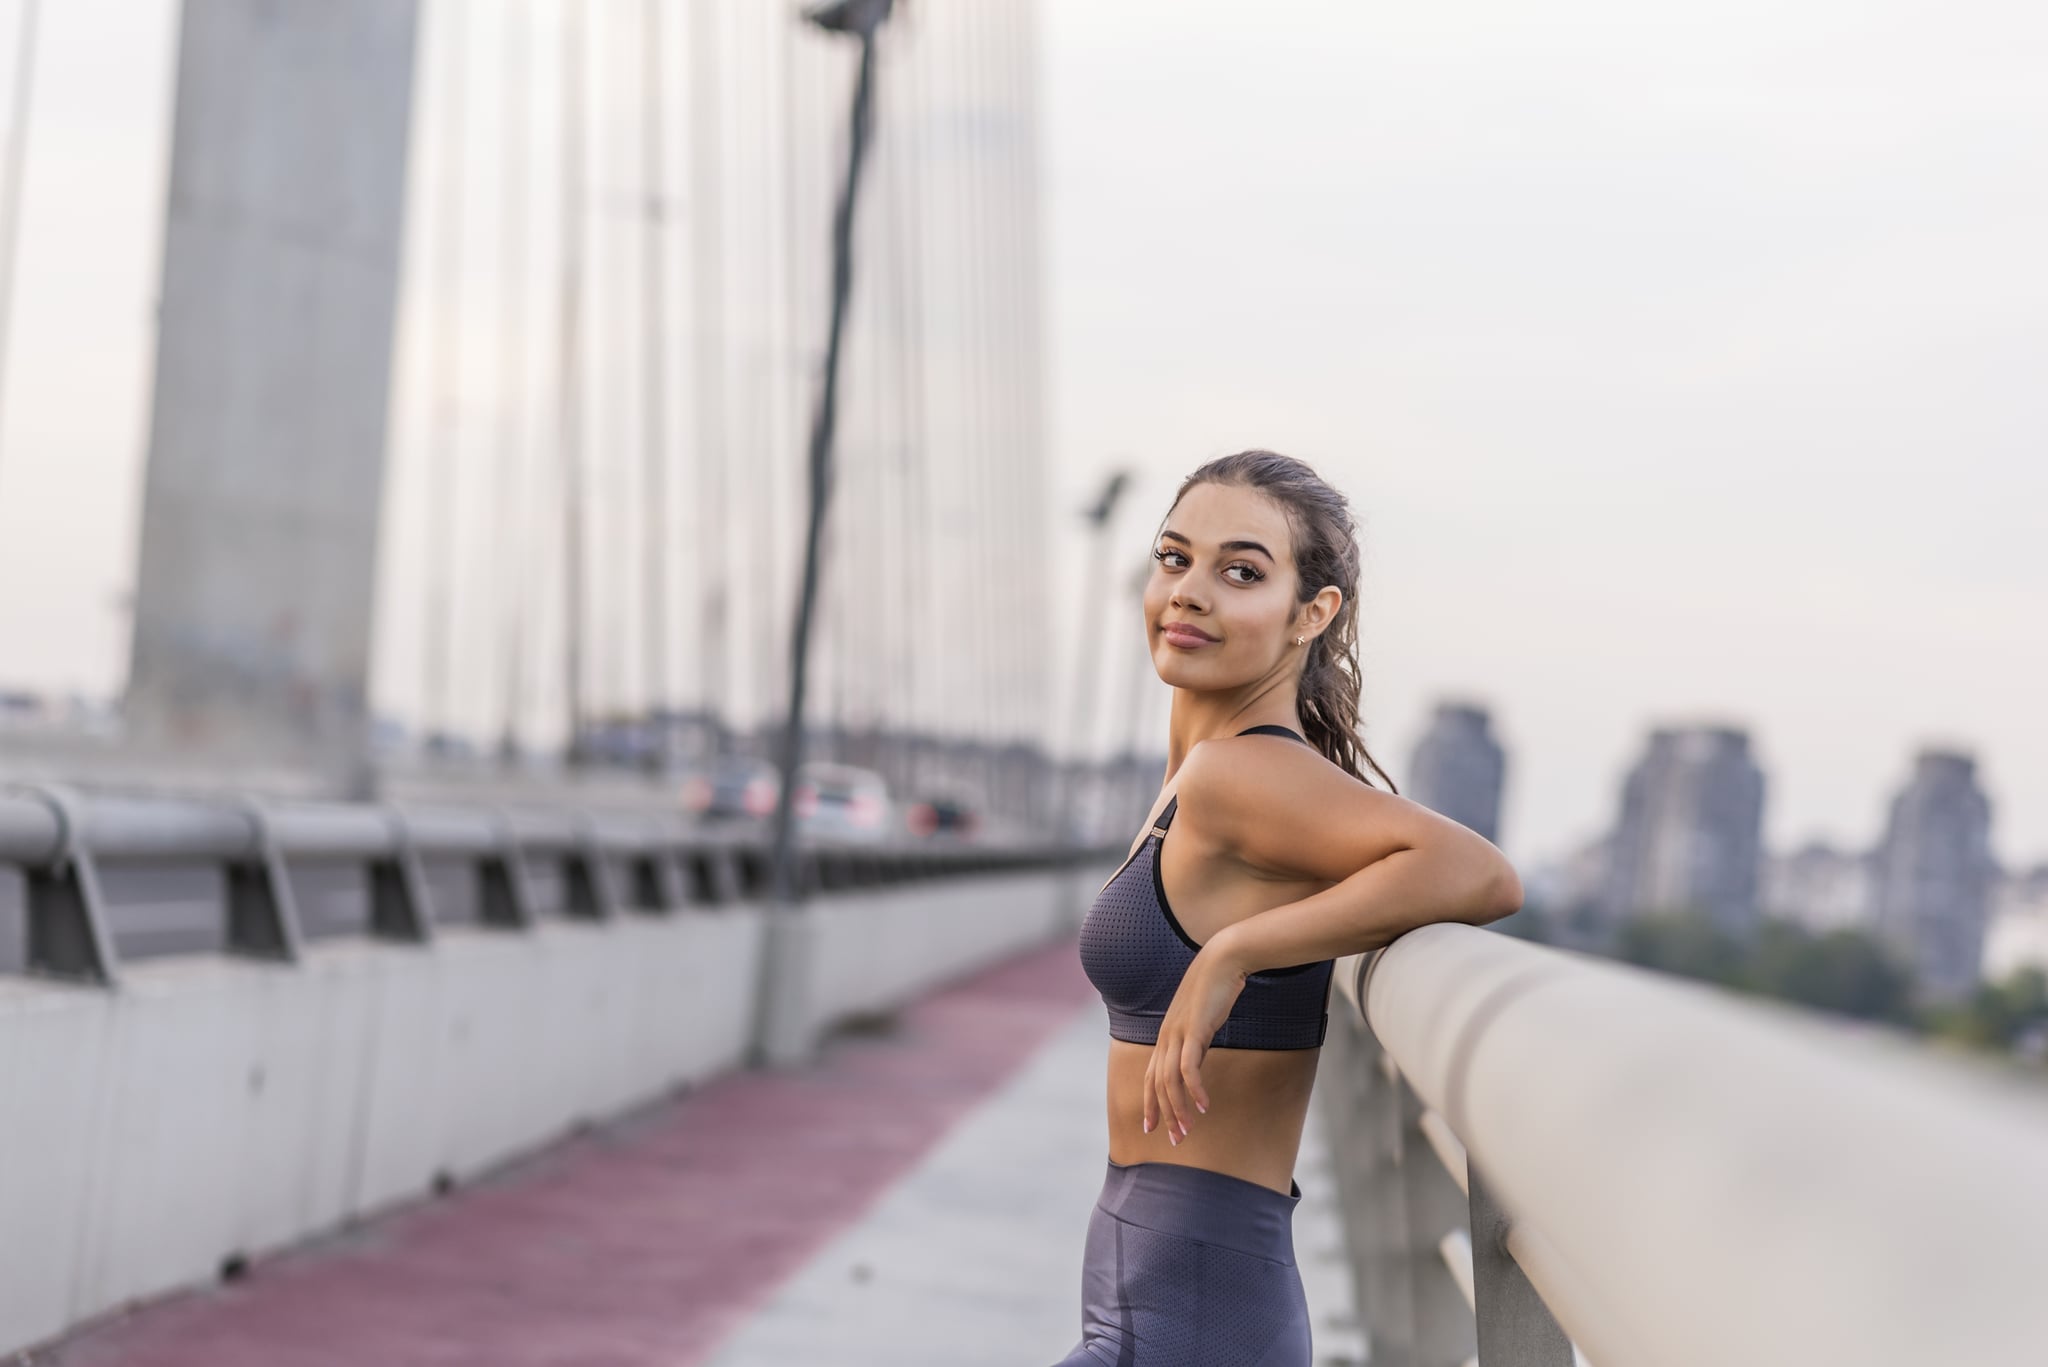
(1289,812)
(1372,908)
(1393,865)
(1444,876)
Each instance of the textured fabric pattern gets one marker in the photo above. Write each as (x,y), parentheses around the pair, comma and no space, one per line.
(1135,951)
(1184,1267)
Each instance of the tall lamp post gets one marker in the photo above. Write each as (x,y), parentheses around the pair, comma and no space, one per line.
(785,1033)
(860,18)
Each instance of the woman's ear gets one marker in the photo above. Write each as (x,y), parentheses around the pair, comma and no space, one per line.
(1321,610)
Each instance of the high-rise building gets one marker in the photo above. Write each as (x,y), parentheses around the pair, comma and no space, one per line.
(1821,887)
(1458,767)
(1690,832)
(1935,874)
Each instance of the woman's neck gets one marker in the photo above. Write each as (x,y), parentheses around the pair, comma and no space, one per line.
(1196,717)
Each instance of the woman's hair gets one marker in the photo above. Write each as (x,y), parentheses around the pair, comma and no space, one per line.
(1325,552)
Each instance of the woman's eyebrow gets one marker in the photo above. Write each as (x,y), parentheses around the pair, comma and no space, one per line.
(1228,545)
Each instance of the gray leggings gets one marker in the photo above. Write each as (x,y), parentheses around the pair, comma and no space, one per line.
(1185,1267)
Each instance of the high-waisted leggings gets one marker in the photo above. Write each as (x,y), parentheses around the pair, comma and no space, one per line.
(1185,1267)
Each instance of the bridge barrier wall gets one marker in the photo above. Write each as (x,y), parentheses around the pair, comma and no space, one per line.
(878,950)
(194,1109)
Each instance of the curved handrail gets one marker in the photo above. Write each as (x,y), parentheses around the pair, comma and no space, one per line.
(1693,1178)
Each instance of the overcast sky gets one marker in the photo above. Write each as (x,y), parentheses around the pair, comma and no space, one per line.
(1682,362)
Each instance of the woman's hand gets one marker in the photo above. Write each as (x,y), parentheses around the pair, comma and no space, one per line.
(1173,1076)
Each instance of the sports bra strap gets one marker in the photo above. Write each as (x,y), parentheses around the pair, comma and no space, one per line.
(1273,730)
(1173,803)
(1166,816)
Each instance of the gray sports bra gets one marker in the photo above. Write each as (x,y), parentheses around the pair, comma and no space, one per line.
(1134,950)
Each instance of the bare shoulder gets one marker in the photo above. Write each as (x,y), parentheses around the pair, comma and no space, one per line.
(1282,807)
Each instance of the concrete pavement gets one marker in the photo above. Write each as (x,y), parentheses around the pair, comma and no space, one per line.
(975,1256)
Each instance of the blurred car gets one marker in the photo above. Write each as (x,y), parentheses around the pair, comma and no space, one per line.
(940,814)
(841,802)
(733,788)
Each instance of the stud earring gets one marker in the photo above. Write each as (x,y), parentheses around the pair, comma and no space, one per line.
(1300,641)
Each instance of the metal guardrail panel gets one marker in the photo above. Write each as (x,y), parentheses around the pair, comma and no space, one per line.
(520,864)
(452,830)
(141,828)
(334,830)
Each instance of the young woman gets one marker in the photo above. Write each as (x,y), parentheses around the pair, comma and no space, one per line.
(1213,950)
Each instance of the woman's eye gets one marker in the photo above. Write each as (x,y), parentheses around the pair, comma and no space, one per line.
(1252,573)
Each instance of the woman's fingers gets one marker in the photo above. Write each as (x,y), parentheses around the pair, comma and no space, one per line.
(1174,1094)
(1165,1079)
(1183,1109)
(1191,1075)
(1155,1101)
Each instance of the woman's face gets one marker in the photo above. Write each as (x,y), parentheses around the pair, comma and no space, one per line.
(1223,568)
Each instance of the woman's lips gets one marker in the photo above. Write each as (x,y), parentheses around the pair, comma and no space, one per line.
(1185,637)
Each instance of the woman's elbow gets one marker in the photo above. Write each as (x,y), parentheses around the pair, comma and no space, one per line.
(1501,896)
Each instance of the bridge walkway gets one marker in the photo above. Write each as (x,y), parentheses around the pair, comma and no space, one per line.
(918,1195)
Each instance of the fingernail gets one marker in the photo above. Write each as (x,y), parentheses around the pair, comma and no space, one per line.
(1148,1127)
(1173,1138)
(1200,1107)
(1183,1127)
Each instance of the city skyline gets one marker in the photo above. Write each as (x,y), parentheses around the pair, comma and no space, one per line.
(1685,839)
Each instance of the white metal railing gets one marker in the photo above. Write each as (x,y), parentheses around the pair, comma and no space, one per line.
(1541,1149)
(607,863)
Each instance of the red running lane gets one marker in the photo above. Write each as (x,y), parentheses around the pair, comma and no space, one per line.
(645,1243)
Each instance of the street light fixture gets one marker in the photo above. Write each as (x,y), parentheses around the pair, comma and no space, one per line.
(858,17)
(861,19)
(783,1027)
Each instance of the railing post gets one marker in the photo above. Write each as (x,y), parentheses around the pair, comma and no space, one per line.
(67,913)
(1516,1329)
(263,915)
(1435,1206)
(714,876)
(586,879)
(1405,1211)
(399,905)
(653,883)
(1346,1085)
(503,898)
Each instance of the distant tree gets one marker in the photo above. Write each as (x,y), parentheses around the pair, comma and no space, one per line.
(1685,942)
(1582,926)
(1845,971)
(1996,1014)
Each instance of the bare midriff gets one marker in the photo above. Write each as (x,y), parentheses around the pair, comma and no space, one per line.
(1258,1103)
